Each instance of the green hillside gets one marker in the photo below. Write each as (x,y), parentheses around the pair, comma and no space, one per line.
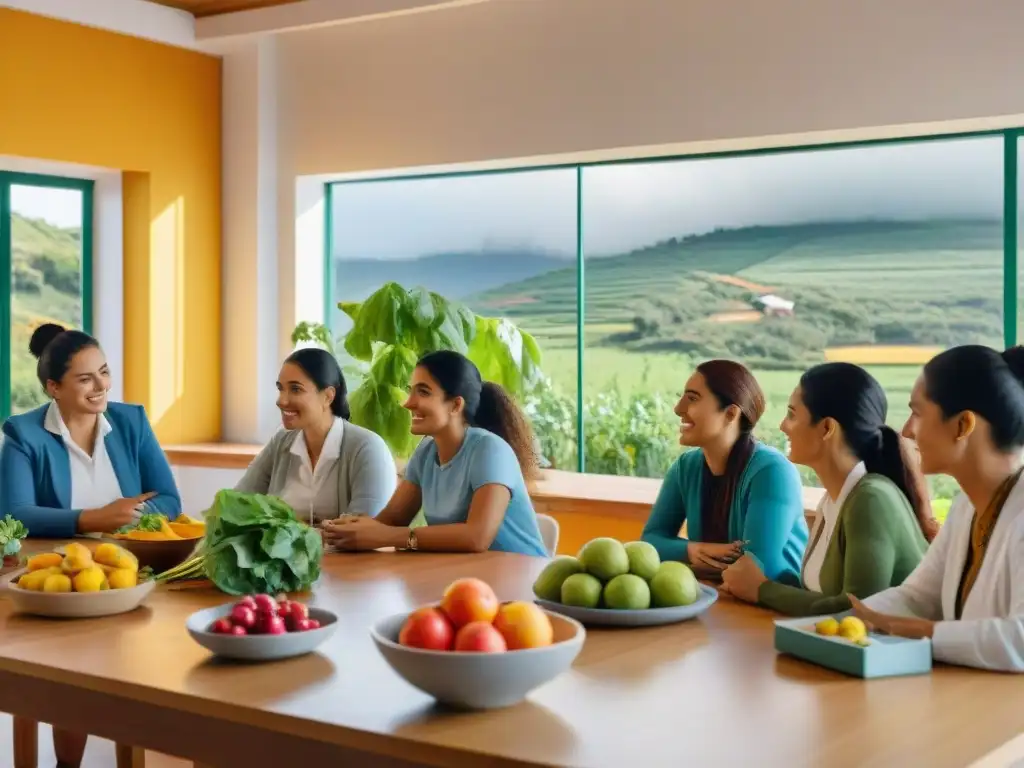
(46,279)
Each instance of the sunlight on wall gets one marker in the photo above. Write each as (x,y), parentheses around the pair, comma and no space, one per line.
(167,310)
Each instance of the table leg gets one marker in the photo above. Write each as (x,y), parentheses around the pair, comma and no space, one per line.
(26,743)
(130,757)
(69,747)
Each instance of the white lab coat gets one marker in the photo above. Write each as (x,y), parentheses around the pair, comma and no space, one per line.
(990,632)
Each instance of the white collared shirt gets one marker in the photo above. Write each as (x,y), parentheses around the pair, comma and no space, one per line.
(93,481)
(828,514)
(313,493)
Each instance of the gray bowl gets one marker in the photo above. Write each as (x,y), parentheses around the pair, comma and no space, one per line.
(259,647)
(650,617)
(470,680)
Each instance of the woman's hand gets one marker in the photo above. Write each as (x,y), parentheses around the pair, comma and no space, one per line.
(361,533)
(113,516)
(743,579)
(910,627)
(713,557)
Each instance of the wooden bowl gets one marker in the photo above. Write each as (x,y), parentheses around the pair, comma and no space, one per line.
(159,555)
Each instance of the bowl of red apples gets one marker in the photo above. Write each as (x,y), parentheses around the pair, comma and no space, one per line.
(261,628)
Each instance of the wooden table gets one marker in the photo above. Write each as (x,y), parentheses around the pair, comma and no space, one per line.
(710,692)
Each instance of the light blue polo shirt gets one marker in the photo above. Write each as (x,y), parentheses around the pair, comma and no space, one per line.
(447,489)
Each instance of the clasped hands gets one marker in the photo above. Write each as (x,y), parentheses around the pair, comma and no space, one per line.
(358,533)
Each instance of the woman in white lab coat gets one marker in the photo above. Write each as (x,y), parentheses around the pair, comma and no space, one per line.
(967,595)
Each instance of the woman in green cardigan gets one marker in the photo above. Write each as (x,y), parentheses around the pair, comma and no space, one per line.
(734,493)
(874,521)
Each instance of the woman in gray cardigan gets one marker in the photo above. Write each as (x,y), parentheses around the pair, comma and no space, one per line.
(320,464)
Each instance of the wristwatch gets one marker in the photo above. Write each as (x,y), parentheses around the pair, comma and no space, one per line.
(410,543)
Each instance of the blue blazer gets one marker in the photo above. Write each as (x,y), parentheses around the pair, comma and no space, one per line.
(35,472)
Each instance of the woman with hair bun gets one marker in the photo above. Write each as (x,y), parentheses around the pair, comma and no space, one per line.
(734,493)
(468,473)
(967,595)
(874,521)
(80,464)
(321,464)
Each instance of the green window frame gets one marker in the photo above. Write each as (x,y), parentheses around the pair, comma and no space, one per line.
(1010,226)
(7,180)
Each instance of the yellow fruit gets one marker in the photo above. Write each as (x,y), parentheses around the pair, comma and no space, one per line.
(115,557)
(852,628)
(863,642)
(48,560)
(58,582)
(828,627)
(91,579)
(77,557)
(35,579)
(124,578)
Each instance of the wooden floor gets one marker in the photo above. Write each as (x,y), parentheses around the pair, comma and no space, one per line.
(99,753)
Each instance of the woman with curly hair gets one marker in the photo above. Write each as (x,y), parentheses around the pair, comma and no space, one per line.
(468,474)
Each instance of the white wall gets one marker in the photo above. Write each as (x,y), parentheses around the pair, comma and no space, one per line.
(533,81)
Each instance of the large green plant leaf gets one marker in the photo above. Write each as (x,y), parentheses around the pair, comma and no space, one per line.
(384,317)
(443,324)
(377,406)
(505,354)
(393,365)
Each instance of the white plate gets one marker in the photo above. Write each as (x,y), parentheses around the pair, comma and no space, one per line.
(259,647)
(651,617)
(75,605)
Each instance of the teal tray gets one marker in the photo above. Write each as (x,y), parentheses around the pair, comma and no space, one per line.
(885,656)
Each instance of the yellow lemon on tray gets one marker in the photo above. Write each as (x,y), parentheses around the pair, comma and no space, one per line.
(828,627)
(852,628)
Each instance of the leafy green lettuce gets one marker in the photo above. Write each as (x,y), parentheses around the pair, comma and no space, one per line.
(254,544)
(11,533)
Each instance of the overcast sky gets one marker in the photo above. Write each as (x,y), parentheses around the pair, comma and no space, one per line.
(626,206)
(62,207)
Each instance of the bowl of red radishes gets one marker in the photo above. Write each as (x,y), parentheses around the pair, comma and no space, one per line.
(261,628)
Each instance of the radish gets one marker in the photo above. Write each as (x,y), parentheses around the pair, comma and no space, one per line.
(222,626)
(248,602)
(275,626)
(238,631)
(265,604)
(243,616)
(312,624)
(299,612)
(284,608)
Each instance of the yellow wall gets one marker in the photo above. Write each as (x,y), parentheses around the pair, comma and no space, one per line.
(75,94)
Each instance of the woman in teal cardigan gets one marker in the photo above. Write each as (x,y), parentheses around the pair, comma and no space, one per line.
(734,494)
(874,522)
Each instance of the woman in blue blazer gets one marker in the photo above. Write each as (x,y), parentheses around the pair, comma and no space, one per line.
(80,464)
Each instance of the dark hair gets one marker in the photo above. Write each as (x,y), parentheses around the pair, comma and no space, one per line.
(856,401)
(979,379)
(54,348)
(487,405)
(323,370)
(733,384)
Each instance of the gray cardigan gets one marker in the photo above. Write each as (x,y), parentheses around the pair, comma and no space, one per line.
(366,470)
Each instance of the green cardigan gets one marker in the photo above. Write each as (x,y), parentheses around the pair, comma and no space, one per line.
(767,512)
(875,545)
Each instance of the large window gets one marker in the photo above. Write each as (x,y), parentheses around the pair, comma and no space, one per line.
(504,244)
(45,262)
(879,254)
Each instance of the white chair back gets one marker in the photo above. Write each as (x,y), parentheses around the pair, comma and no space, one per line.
(548,532)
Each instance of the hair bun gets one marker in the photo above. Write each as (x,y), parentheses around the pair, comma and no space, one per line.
(1014,359)
(41,338)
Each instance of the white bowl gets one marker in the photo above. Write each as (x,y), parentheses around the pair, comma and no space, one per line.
(259,647)
(470,680)
(75,605)
(648,617)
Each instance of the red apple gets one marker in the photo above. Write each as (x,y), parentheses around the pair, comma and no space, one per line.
(468,600)
(427,628)
(480,636)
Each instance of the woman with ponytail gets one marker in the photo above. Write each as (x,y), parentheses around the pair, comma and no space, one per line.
(320,464)
(874,521)
(468,473)
(734,494)
(967,595)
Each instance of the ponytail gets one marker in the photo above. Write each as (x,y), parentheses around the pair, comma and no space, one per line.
(497,412)
(891,456)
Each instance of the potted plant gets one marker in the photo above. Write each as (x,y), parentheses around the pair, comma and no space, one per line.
(394,327)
